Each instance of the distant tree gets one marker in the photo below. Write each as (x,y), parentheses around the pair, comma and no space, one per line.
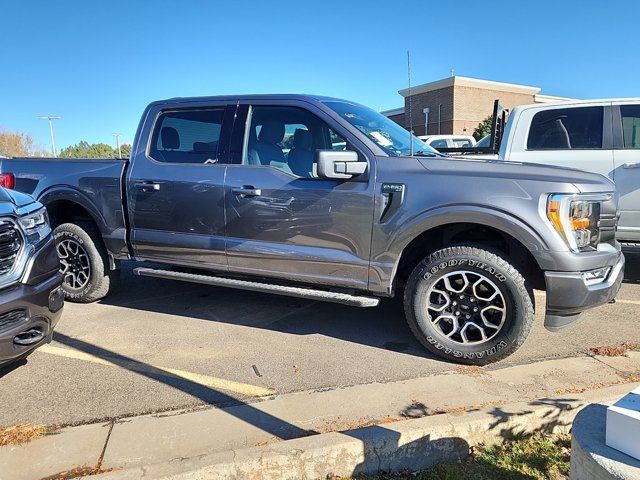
(19,144)
(84,149)
(125,149)
(483,128)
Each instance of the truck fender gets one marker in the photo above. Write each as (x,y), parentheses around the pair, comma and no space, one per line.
(381,275)
(76,196)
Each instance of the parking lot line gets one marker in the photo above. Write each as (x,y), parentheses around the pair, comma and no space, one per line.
(204,380)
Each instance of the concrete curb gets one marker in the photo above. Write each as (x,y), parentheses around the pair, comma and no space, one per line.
(408,444)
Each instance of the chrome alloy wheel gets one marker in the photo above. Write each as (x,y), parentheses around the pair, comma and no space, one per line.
(74,264)
(466,307)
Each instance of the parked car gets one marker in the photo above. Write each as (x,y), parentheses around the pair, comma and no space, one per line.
(449,141)
(600,136)
(31,297)
(356,210)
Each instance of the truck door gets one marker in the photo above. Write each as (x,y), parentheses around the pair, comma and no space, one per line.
(175,186)
(627,169)
(284,221)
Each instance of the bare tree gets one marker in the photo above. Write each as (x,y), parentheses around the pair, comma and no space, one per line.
(19,144)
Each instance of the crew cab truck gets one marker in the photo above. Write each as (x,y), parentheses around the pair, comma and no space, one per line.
(326,199)
(601,136)
(31,297)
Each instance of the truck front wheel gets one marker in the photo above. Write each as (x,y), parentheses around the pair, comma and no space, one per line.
(83,262)
(468,305)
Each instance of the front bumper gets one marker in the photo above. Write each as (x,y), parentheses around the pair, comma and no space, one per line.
(29,310)
(568,294)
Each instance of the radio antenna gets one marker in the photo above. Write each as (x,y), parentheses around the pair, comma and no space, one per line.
(410,113)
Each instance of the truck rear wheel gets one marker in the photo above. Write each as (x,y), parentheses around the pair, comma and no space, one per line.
(83,262)
(468,305)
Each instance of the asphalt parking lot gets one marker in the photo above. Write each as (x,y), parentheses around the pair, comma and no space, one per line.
(156,345)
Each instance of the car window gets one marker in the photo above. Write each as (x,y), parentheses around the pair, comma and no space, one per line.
(462,143)
(286,138)
(187,136)
(566,129)
(438,144)
(630,125)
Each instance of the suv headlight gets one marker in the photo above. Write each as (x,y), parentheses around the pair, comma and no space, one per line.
(577,219)
(35,225)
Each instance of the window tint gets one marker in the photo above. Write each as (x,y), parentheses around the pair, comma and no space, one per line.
(287,138)
(187,136)
(566,128)
(630,125)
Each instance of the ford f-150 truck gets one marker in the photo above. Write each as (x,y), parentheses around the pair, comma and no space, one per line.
(326,199)
(31,298)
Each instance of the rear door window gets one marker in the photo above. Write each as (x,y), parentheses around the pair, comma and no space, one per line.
(630,125)
(566,129)
(187,136)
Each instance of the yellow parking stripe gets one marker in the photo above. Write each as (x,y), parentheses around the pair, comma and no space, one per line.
(205,380)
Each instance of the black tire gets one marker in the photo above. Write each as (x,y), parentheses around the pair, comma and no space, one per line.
(515,297)
(98,281)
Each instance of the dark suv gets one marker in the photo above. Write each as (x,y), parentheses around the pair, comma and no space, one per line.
(31,299)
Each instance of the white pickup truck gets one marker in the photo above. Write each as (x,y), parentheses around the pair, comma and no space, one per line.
(601,136)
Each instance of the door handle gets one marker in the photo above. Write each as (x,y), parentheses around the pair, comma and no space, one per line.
(147,186)
(631,165)
(246,191)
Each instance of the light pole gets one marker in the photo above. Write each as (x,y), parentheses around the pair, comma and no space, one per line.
(118,135)
(51,118)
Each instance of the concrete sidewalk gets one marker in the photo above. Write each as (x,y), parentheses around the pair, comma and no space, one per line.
(546,396)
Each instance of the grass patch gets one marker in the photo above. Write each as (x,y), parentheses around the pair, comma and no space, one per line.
(21,434)
(534,458)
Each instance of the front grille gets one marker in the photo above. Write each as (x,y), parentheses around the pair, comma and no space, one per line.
(10,244)
(11,318)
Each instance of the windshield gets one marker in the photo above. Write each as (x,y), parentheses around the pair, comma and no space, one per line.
(386,133)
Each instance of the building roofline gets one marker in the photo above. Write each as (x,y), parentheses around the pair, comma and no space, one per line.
(393,111)
(469,82)
(541,98)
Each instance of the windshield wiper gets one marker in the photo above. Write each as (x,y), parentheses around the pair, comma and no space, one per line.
(422,153)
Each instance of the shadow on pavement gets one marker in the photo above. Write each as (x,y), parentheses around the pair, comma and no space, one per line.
(381,327)
(275,426)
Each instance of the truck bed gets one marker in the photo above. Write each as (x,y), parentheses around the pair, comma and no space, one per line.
(95,183)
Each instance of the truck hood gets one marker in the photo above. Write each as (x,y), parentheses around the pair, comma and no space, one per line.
(584,182)
(10,201)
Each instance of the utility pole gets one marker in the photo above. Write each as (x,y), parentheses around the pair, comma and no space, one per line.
(51,118)
(118,135)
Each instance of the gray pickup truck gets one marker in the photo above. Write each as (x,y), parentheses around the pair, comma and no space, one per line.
(326,199)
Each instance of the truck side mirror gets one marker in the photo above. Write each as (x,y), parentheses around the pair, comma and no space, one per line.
(340,164)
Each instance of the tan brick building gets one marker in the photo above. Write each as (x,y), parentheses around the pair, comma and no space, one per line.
(458,104)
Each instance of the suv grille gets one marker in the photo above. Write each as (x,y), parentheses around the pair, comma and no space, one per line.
(12,317)
(10,244)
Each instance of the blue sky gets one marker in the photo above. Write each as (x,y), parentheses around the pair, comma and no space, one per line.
(97,64)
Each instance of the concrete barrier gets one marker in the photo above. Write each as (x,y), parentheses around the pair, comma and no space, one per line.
(591,458)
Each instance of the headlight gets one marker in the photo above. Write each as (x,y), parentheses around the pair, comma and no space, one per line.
(35,225)
(577,219)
